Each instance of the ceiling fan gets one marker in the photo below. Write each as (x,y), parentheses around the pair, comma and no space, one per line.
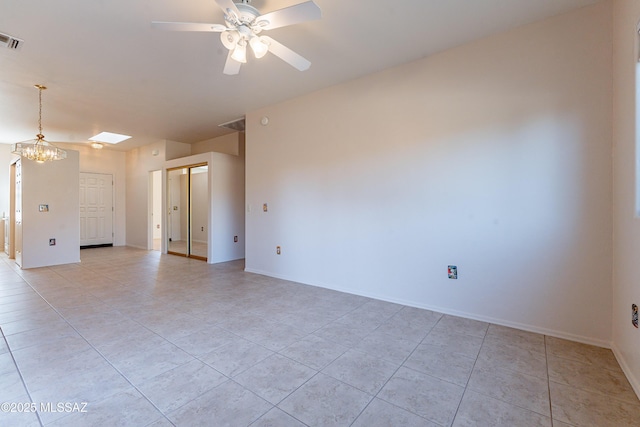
(243,25)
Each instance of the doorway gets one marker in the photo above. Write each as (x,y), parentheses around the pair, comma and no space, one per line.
(155,211)
(188,211)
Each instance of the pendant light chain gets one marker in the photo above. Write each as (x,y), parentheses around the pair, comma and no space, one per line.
(40,112)
(40,89)
(38,150)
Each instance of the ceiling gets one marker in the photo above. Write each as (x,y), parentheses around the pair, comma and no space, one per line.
(106,69)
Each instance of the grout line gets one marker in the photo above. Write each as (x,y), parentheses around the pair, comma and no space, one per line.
(403,366)
(148,290)
(93,347)
(466,387)
(546,359)
(24,384)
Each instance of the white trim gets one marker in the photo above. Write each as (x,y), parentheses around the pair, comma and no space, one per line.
(150,210)
(631,376)
(136,247)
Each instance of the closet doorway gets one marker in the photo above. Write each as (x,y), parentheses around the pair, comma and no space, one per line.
(188,211)
(155,227)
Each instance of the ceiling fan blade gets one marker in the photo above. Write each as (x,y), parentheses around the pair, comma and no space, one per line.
(188,26)
(231,67)
(228,7)
(286,54)
(302,12)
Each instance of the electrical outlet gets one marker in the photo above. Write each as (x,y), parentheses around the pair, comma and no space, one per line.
(452,272)
(265,208)
(52,242)
(235,239)
(278,250)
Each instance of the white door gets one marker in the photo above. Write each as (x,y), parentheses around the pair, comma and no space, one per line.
(96,209)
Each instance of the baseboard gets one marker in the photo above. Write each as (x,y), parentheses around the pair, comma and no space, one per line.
(144,248)
(443,310)
(631,376)
(45,266)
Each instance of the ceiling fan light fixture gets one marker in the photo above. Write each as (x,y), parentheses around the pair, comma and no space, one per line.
(243,26)
(229,39)
(259,47)
(38,149)
(240,52)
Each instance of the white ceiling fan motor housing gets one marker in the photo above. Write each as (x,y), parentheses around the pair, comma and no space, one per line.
(247,13)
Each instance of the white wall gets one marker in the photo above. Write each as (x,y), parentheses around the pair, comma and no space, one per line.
(157,205)
(626,272)
(228,144)
(175,150)
(228,217)
(5,161)
(139,162)
(113,163)
(56,184)
(494,156)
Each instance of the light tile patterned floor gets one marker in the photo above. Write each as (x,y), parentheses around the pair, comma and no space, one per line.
(158,340)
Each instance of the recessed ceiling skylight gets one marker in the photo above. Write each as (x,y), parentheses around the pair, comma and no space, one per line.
(109,138)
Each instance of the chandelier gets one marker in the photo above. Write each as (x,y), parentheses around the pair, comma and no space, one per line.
(38,149)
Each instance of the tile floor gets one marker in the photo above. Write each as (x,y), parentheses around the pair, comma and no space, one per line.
(156,340)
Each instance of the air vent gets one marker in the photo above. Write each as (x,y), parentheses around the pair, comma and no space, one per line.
(10,41)
(237,124)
